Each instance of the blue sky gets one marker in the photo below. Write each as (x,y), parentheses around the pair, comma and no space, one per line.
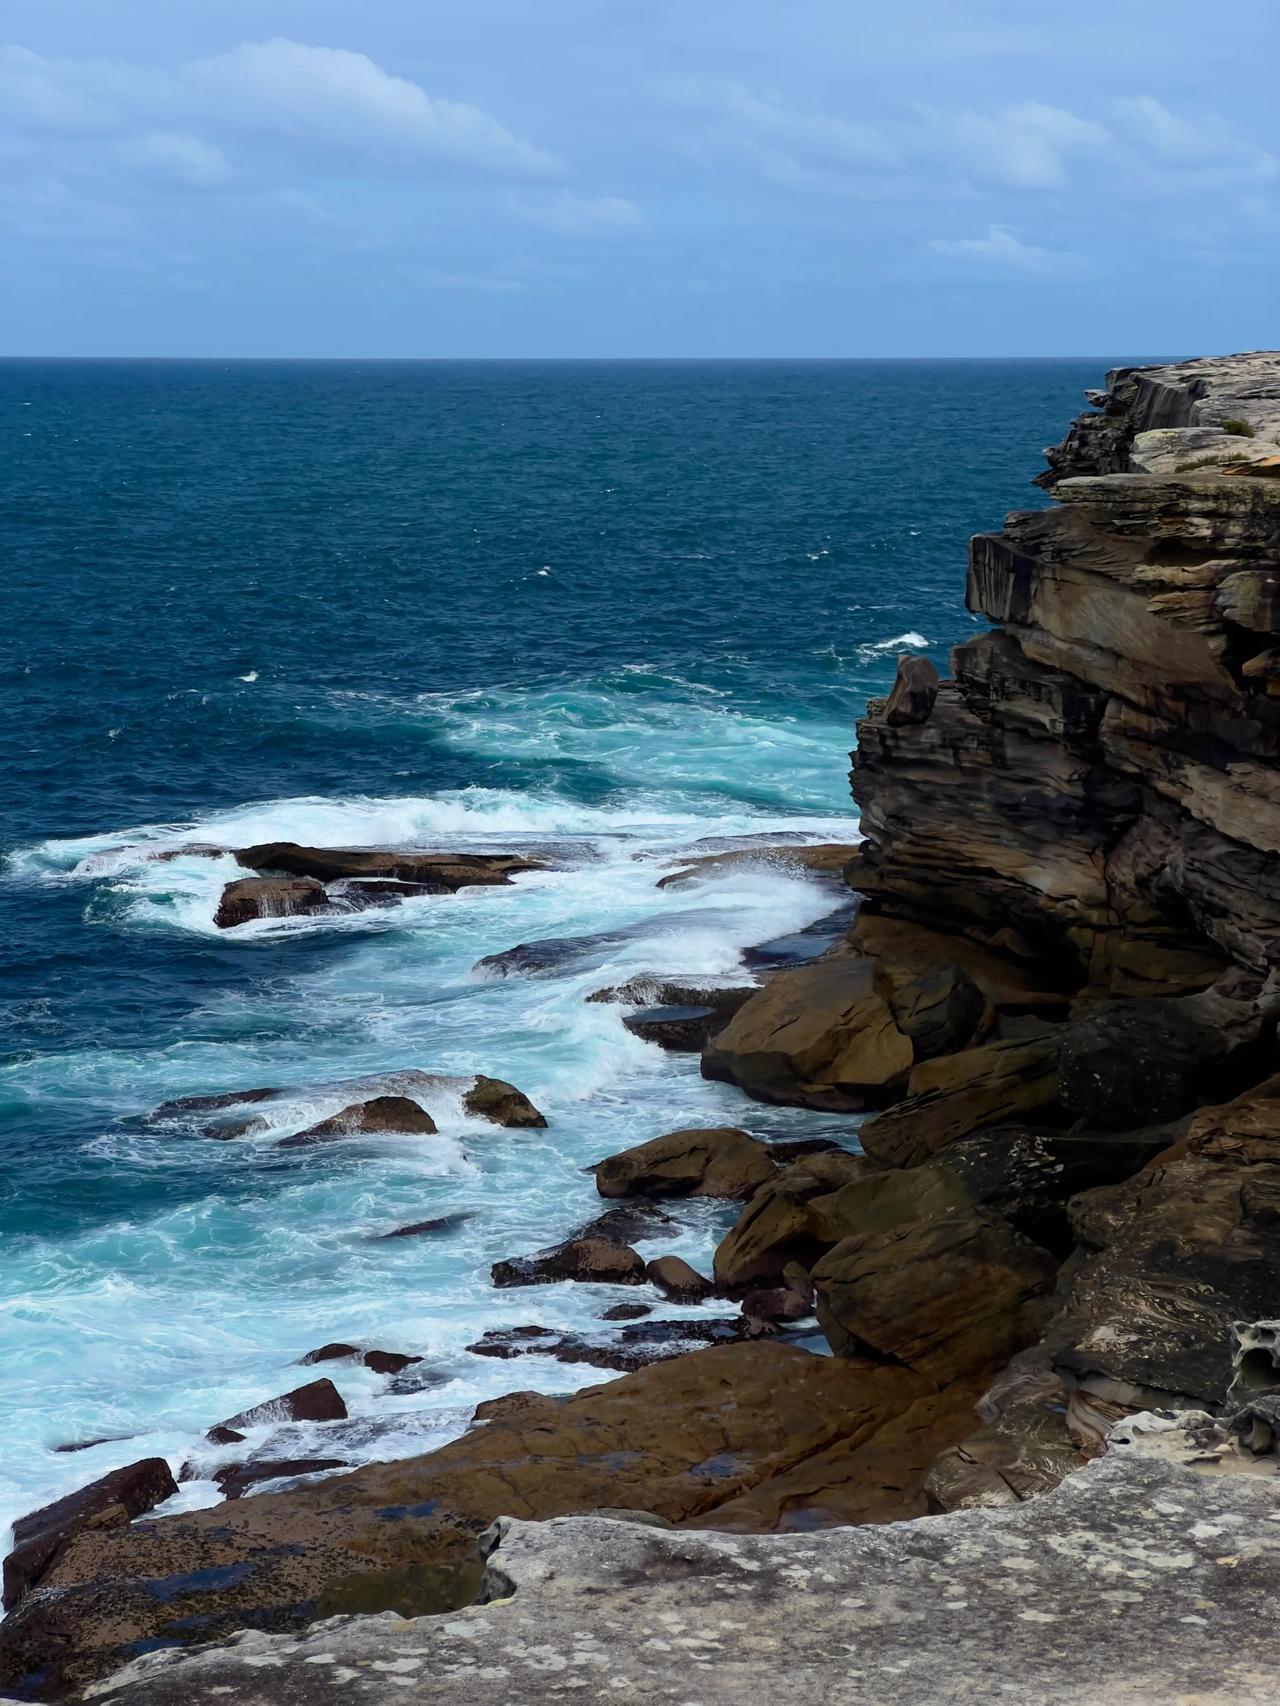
(638,177)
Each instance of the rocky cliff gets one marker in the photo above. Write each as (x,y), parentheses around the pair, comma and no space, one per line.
(1056,1007)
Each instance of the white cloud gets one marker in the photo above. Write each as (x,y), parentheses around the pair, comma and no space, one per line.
(1001,252)
(171,156)
(1207,146)
(329,104)
(570,215)
(1025,146)
(786,143)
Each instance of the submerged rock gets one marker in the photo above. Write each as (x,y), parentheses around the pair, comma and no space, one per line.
(319,1401)
(426,1228)
(237,1479)
(270,897)
(824,859)
(381,1362)
(496,1100)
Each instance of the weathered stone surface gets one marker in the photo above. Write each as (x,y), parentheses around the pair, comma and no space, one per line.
(111,1501)
(825,859)
(596,1261)
(631,1223)
(960,1093)
(676,1439)
(686,1030)
(948,1297)
(716,1161)
(270,897)
(495,1100)
(1021,1601)
(915,687)
(380,1114)
(822,1035)
(650,990)
(237,1479)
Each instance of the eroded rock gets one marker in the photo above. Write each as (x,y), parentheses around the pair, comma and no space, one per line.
(718,1161)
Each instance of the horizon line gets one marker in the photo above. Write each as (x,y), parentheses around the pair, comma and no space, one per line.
(586,360)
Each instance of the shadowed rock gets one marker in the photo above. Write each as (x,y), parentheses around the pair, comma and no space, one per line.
(380,1114)
(592,1260)
(495,1100)
(270,897)
(319,1401)
(111,1501)
(720,1161)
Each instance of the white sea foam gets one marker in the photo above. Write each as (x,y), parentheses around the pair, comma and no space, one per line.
(895,642)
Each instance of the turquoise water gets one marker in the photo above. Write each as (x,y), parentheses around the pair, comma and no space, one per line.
(612,608)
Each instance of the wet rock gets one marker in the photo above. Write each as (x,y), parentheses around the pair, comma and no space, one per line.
(677,1439)
(182,1105)
(717,1161)
(270,897)
(426,1228)
(819,1036)
(225,1131)
(676,1280)
(632,1223)
(237,1479)
(825,859)
(326,864)
(626,1312)
(684,1029)
(594,1261)
(949,1298)
(653,991)
(496,1100)
(111,1501)
(396,1114)
(86,1444)
(381,1362)
(817,940)
(319,1401)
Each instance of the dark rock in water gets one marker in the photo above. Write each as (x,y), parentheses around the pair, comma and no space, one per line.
(398,1114)
(237,1479)
(417,1379)
(719,1161)
(382,1362)
(685,1029)
(270,897)
(112,1501)
(192,850)
(211,1104)
(222,1436)
(508,1342)
(554,954)
(496,1100)
(636,1347)
(626,1312)
(360,893)
(319,1401)
(424,1228)
(788,1149)
(223,1131)
(777,1304)
(85,1444)
(593,1260)
(650,990)
(630,1224)
(446,870)
(679,1282)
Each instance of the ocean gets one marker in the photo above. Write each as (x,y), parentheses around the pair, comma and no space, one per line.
(609,609)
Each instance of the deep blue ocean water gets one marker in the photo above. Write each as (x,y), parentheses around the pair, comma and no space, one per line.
(612,607)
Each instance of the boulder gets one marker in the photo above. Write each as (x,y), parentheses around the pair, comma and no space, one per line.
(381,1362)
(270,897)
(775,1228)
(501,1103)
(446,871)
(677,1439)
(380,1114)
(955,1094)
(111,1501)
(915,687)
(626,1312)
(950,1297)
(687,1030)
(676,1280)
(319,1401)
(720,1161)
(821,1035)
(594,1261)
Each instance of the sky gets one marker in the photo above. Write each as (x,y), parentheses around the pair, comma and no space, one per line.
(652,178)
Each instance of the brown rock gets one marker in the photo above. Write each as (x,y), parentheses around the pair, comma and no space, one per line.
(319,1401)
(650,990)
(381,1362)
(380,1114)
(237,1479)
(676,1439)
(447,870)
(270,897)
(720,1161)
(825,859)
(821,1035)
(112,1501)
(960,1093)
(775,1227)
(950,1298)
(592,1260)
(915,687)
(632,1223)
(494,1099)
(675,1279)
(686,1030)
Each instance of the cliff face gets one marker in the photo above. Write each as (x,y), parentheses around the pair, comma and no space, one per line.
(1095,791)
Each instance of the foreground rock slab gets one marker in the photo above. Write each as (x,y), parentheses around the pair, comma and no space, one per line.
(1137,1583)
